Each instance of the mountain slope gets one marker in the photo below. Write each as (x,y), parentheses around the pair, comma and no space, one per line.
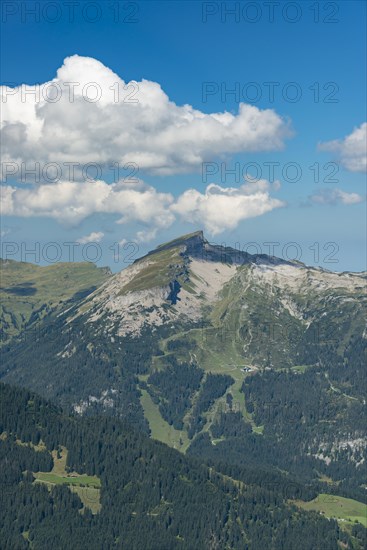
(189,280)
(28,291)
(235,310)
(219,353)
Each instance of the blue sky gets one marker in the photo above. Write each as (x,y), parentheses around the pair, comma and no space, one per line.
(196,52)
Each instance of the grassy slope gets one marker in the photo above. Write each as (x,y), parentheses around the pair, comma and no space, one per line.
(218,349)
(27,289)
(213,356)
(160,429)
(337,507)
(162,268)
(179,240)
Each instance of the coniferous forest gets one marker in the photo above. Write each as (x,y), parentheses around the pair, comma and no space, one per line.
(151,496)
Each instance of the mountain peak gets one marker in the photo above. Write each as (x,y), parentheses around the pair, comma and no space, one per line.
(192,242)
(190,239)
(197,246)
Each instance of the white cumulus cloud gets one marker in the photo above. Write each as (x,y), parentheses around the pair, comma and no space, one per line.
(352,150)
(87,113)
(220,208)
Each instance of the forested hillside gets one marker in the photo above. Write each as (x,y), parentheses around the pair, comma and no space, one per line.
(152,497)
(251,366)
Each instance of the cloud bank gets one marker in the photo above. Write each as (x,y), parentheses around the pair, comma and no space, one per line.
(336,196)
(216,209)
(71,202)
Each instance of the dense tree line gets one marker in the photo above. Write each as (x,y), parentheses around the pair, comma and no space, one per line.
(152,497)
(230,424)
(306,413)
(215,385)
(173,388)
(301,416)
(181,344)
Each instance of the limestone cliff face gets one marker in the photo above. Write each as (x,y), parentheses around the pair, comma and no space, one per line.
(190,281)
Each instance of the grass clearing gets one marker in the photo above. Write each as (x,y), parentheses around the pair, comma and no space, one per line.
(85,486)
(340,508)
(160,429)
(71,479)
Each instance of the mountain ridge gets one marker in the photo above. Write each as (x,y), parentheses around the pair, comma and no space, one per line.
(173,338)
(196,245)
